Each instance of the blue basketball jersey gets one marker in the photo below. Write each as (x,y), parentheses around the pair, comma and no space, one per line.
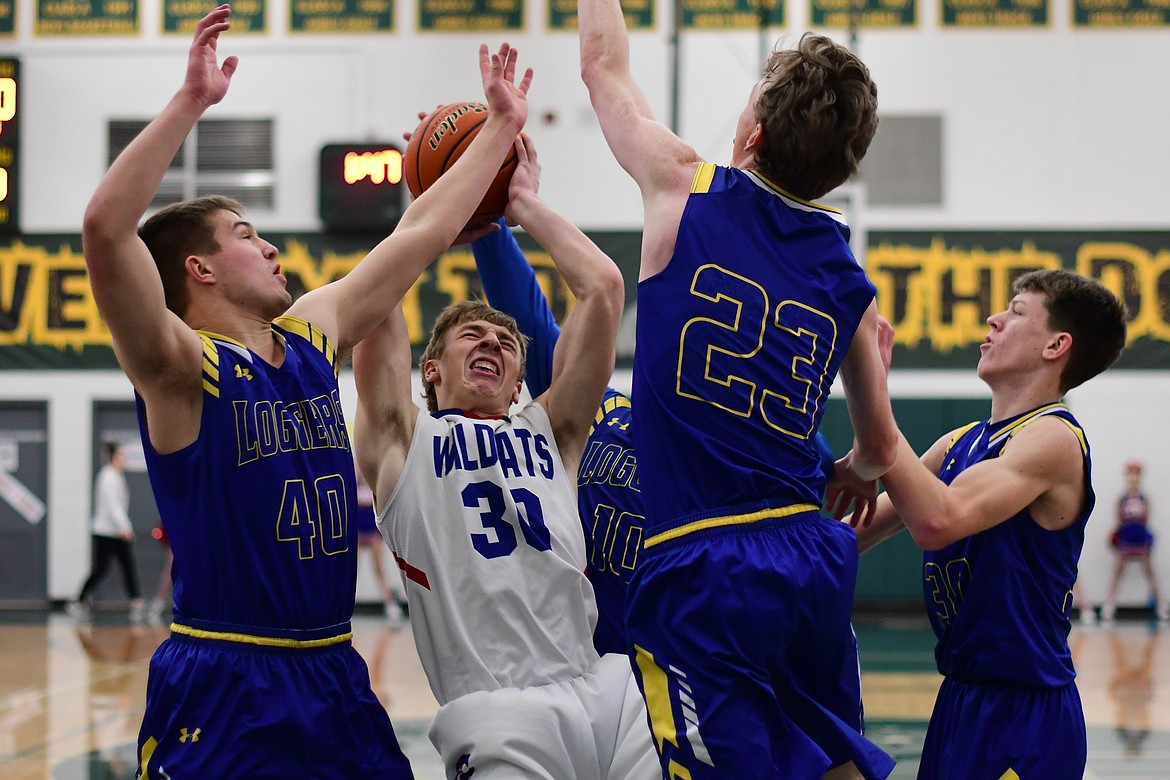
(739,339)
(999,600)
(609,500)
(259,510)
(259,677)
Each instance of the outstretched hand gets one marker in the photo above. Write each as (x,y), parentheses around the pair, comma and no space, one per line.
(505,98)
(206,80)
(846,492)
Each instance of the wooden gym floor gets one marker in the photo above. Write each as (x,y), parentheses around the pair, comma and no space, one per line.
(72,694)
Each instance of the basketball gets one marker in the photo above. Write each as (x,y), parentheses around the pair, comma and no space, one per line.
(437,144)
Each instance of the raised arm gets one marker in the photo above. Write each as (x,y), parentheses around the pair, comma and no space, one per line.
(386,413)
(644,147)
(511,286)
(348,308)
(159,353)
(659,161)
(585,351)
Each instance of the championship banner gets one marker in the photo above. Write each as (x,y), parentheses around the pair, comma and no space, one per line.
(106,17)
(731,14)
(868,14)
(468,15)
(340,16)
(181,16)
(937,288)
(7,18)
(994,13)
(1120,13)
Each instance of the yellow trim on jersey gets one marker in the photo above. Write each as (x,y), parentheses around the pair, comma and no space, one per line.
(144,756)
(704,175)
(309,333)
(718,522)
(220,337)
(781,191)
(266,641)
(1015,427)
(1009,775)
(657,688)
(607,406)
(210,365)
(958,434)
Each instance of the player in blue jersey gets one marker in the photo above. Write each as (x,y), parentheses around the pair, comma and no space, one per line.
(1000,508)
(749,300)
(247,448)
(609,497)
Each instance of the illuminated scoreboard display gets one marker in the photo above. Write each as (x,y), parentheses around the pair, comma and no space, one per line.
(9,146)
(361,187)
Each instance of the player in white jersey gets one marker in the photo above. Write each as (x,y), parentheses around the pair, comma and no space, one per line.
(479,510)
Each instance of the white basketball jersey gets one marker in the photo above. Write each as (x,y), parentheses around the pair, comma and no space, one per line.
(483,524)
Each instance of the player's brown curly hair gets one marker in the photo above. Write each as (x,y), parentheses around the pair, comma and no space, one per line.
(818,110)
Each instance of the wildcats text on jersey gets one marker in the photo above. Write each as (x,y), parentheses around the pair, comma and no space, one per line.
(266,427)
(470,445)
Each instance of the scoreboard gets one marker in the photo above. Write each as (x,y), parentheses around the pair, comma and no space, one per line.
(9,146)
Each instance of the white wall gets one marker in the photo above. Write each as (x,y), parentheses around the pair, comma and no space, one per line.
(1042,128)
(1051,128)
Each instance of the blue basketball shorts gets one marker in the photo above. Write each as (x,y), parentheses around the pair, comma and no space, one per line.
(992,731)
(745,653)
(220,709)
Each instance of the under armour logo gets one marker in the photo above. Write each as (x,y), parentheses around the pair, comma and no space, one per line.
(463,767)
(193,736)
(243,373)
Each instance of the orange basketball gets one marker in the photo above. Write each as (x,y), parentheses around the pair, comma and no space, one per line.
(438,142)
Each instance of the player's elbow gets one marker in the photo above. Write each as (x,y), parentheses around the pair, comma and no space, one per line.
(591,71)
(607,291)
(97,232)
(929,535)
(938,527)
(600,67)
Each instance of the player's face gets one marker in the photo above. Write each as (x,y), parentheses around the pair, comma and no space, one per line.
(1017,339)
(246,267)
(483,359)
(742,154)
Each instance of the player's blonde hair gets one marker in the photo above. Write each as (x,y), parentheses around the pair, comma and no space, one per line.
(452,317)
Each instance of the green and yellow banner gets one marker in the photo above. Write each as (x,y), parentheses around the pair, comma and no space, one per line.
(937,288)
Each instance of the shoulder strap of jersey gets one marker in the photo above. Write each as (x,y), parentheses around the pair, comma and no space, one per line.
(956,435)
(1062,413)
(310,333)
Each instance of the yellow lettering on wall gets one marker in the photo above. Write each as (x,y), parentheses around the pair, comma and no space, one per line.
(1135,276)
(939,296)
(45,299)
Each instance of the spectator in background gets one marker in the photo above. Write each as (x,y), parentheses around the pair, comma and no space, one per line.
(112,534)
(1132,540)
(370,540)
